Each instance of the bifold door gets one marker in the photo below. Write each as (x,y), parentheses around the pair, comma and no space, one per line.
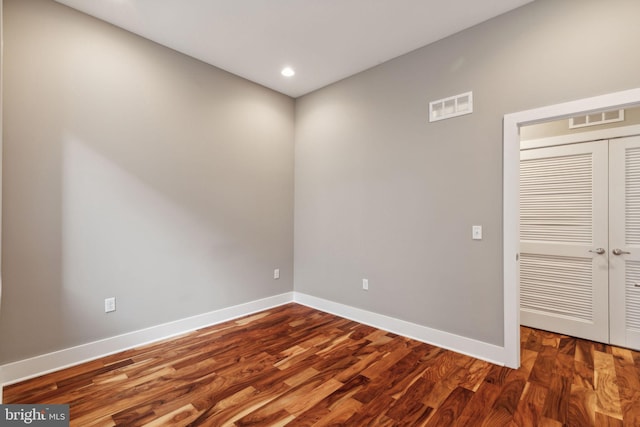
(563,235)
(580,240)
(624,229)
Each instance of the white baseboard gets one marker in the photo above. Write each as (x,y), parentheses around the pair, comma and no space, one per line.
(29,368)
(40,365)
(478,349)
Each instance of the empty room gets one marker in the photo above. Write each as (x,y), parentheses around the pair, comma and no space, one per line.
(320,212)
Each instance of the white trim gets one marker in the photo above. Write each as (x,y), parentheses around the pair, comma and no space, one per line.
(511,214)
(459,344)
(574,138)
(46,363)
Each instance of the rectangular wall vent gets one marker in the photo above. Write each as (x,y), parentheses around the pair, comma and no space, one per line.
(451,107)
(596,119)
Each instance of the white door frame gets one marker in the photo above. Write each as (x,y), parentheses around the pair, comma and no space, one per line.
(511,190)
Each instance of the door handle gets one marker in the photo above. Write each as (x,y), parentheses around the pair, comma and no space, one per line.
(598,251)
(617,251)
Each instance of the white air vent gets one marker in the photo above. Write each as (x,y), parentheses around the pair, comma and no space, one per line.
(451,107)
(596,119)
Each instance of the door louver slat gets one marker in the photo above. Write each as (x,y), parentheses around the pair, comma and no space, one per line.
(632,236)
(556,285)
(632,295)
(556,203)
(632,199)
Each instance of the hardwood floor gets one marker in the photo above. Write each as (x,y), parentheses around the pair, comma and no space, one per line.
(296,366)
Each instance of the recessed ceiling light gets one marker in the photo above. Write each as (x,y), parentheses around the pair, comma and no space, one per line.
(287,72)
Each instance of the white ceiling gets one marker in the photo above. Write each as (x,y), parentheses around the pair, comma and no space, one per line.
(323,40)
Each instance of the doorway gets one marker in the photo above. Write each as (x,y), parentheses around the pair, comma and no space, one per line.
(511,171)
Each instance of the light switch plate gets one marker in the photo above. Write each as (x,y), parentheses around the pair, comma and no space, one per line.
(476,232)
(109,305)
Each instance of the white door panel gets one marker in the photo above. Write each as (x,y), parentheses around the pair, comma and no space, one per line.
(624,228)
(563,220)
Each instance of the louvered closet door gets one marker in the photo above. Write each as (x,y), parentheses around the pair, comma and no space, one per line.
(624,228)
(563,216)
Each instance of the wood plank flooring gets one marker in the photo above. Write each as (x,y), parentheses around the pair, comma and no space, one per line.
(296,366)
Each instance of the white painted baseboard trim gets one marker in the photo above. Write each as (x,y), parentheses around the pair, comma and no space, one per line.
(459,344)
(40,365)
(29,368)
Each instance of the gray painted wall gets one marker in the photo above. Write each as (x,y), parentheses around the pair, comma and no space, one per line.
(382,194)
(132,171)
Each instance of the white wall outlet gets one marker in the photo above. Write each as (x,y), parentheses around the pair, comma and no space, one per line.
(365,284)
(476,232)
(110,304)
(276,273)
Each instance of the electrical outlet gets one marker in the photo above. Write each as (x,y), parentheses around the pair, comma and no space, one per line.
(110,304)
(365,284)
(276,273)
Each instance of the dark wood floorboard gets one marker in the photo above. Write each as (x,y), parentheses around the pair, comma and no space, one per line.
(296,366)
